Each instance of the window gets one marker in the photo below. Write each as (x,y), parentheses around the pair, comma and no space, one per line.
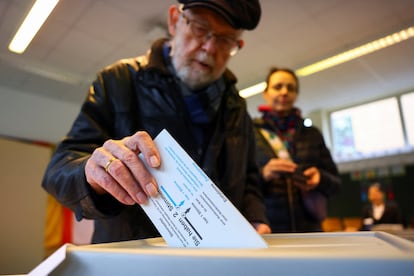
(407,101)
(371,130)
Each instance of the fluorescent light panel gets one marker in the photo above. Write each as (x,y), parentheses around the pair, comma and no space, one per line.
(253,90)
(357,52)
(341,58)
(31,25)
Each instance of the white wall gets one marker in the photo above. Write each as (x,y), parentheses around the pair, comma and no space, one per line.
(22,205)
(26,116)
(252,104)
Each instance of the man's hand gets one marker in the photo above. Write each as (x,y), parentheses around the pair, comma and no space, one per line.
(262,228)
(115,168)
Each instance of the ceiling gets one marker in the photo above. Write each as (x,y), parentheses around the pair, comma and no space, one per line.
(81,36)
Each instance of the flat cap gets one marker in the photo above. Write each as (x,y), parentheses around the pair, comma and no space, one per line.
(240,14)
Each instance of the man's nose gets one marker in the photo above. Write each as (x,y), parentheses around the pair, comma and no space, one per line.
(209,44)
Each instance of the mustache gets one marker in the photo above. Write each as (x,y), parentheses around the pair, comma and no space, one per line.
(205,58)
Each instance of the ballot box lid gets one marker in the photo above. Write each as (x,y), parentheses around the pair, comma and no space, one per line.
(337,253)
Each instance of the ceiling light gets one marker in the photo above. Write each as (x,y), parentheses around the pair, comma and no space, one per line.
(31,25)
(253,90)
(357,52)
(340,58)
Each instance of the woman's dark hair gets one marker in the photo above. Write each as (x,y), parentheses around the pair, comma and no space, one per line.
(276,69)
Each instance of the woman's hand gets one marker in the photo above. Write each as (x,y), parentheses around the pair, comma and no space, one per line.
(313,176)
(276,166)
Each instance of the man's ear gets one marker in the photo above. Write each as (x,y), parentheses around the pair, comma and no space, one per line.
(173,16)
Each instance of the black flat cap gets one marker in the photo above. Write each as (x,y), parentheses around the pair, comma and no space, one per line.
(240,14)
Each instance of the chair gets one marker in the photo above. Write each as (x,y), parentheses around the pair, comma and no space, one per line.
(352,223)
(332,224)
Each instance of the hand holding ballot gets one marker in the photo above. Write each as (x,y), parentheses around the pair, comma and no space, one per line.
(190,210)
(116,169)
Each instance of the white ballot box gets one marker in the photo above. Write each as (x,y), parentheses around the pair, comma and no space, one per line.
(339,253)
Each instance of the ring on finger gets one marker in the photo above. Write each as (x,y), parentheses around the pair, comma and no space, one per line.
(109,163)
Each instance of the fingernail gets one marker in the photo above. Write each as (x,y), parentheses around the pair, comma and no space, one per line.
(151,189)
(154,161)
(129,200)
(142,198)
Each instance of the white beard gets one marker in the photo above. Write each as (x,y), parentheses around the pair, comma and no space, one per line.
(194,79)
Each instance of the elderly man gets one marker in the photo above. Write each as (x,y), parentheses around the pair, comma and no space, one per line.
(181,85)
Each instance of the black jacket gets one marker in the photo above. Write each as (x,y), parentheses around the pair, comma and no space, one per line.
(140,94)
(284,202)
(392,215)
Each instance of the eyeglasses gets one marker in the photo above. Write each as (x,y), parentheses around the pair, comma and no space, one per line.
(203,34)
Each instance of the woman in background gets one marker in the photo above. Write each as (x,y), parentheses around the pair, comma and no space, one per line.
(297,169)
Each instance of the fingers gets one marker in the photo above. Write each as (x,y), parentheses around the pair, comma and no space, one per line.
(130,170)
(277,166)
(281,165)
(142,142)
(262,228)
(109,163)
(102,182)
(115,168)
(310,171)
(313,175)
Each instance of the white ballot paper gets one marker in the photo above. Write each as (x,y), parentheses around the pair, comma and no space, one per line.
(190,210)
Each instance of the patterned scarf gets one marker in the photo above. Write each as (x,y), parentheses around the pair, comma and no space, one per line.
(284,126)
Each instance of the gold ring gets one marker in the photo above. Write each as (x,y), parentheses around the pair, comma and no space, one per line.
(109,163)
